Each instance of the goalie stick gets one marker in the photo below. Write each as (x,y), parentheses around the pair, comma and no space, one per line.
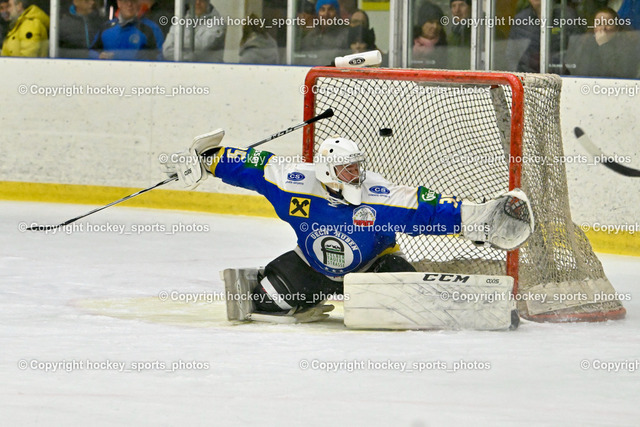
(592,149)
(326,114)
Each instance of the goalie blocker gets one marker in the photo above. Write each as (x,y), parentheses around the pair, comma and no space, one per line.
(429,301)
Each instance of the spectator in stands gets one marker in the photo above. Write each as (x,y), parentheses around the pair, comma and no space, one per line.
(159,12)
(460,29)
(430,39)
(128,37)
(523,47)
(257,46)
(78,28)
(460,36)
(328,39)
(630,10)
(360,33)
(5,19)
(359,18)
(209,37)
(587,8)
(29,34)
(361,39)
(607,52)
(347,8)
(306,13)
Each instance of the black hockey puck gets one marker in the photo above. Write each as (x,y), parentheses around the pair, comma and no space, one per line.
(386,132)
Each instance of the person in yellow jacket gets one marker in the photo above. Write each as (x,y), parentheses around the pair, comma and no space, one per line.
(29,35)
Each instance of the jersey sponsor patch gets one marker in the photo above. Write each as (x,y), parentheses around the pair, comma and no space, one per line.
(299,207)
(379,190)
(256,159)
(335,251)
(364,216)
(428,196)
(295,176)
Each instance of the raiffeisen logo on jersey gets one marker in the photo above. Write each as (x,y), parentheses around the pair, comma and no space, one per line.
(379,190)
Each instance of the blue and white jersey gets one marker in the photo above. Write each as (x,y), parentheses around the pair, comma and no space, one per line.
(337,239)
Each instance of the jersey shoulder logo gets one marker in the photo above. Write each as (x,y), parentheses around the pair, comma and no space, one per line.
(428,196)
(300,207)
(256,159)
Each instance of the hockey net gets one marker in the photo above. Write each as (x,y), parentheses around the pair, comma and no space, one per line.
(474,135)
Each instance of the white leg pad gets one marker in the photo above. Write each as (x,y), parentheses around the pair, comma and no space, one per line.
(429,301)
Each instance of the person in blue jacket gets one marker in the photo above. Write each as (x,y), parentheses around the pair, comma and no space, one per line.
(129,37)
(345,218)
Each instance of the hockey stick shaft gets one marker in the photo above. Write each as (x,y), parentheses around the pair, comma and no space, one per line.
(592,149)
(328,113)
(325,115)
(72,220)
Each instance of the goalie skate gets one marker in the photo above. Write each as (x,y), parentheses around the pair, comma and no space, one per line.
(238,286)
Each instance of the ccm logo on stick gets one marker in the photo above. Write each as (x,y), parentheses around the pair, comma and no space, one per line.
(434,277)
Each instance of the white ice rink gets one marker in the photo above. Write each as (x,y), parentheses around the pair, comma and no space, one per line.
(110,297)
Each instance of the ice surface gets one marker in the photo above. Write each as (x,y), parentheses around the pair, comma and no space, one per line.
(90,296)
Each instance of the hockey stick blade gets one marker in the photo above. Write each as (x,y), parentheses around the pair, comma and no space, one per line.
(72,220)
(592,149)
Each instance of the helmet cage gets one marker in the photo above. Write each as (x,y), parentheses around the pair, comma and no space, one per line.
(340,171)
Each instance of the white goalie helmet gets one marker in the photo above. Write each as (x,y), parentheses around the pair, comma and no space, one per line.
(340,166)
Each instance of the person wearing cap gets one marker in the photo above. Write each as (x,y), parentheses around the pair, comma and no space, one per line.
(328,39)
(430,39)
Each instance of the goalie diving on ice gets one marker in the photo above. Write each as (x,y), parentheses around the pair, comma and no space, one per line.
(345,219)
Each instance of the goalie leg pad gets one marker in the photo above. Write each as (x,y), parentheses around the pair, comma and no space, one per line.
(390,263)
(429,301)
